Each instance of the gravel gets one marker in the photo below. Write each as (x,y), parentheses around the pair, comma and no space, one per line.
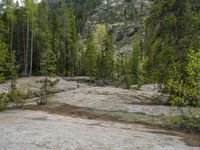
(22,130)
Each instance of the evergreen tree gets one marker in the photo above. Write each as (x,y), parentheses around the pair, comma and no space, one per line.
(43,31)
(3,28)
(185,92)
(14,95)
(127,73)
(135,59)
(11,18)
(169,28)
(48,68)
(72,56)
(4,58)
(13,76)
(100,38)
(108,57)
(91,56)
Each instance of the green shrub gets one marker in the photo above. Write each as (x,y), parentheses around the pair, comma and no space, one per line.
(184,86)
(47,89)
(128,80)
(188,122)
(3,101)
(17,97)
(2,78)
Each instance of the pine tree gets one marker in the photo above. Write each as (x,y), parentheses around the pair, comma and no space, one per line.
(127,73)
(72,56)
(108,57)
(48,68)
(13,75)
(100,38)
(60,36)
(11,18)
(168,31)
(91,56)
(3,28)
(33,10)
(4,58)
(43,31)
(135,59)
(185,92)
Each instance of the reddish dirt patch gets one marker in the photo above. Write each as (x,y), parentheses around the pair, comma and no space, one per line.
(74,111)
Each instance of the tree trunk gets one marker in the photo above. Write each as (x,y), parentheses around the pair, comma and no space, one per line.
(11,37)
(31,61)
(27,46)
(46,80)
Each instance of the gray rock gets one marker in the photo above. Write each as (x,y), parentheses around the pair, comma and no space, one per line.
(37,93)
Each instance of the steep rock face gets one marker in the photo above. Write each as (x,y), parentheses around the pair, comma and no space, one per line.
(125,18)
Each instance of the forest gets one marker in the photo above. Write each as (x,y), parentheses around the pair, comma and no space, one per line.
(62,38)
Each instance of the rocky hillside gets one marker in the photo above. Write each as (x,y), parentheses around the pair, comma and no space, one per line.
(125,18)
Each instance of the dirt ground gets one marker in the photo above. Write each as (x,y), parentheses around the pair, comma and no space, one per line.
(102,98)
(23,129)
(66,127)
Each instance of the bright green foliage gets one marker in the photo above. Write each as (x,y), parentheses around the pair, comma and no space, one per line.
(193,70)
(100,53)
(186,92)
(108,57)
(100,38)
(106,50)
(91,56)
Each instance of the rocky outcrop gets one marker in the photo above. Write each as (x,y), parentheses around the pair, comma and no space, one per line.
(130,31)
(123,17)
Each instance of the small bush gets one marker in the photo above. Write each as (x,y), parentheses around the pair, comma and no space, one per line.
(17,97)
(3,101)
(47,89)
(190,123)
(2,78)
(128,81)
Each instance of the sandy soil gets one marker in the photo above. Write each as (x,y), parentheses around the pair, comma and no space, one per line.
(22,130)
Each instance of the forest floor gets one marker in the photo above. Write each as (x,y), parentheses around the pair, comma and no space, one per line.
(83,117)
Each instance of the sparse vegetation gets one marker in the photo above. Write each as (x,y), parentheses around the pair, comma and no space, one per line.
(3,101)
